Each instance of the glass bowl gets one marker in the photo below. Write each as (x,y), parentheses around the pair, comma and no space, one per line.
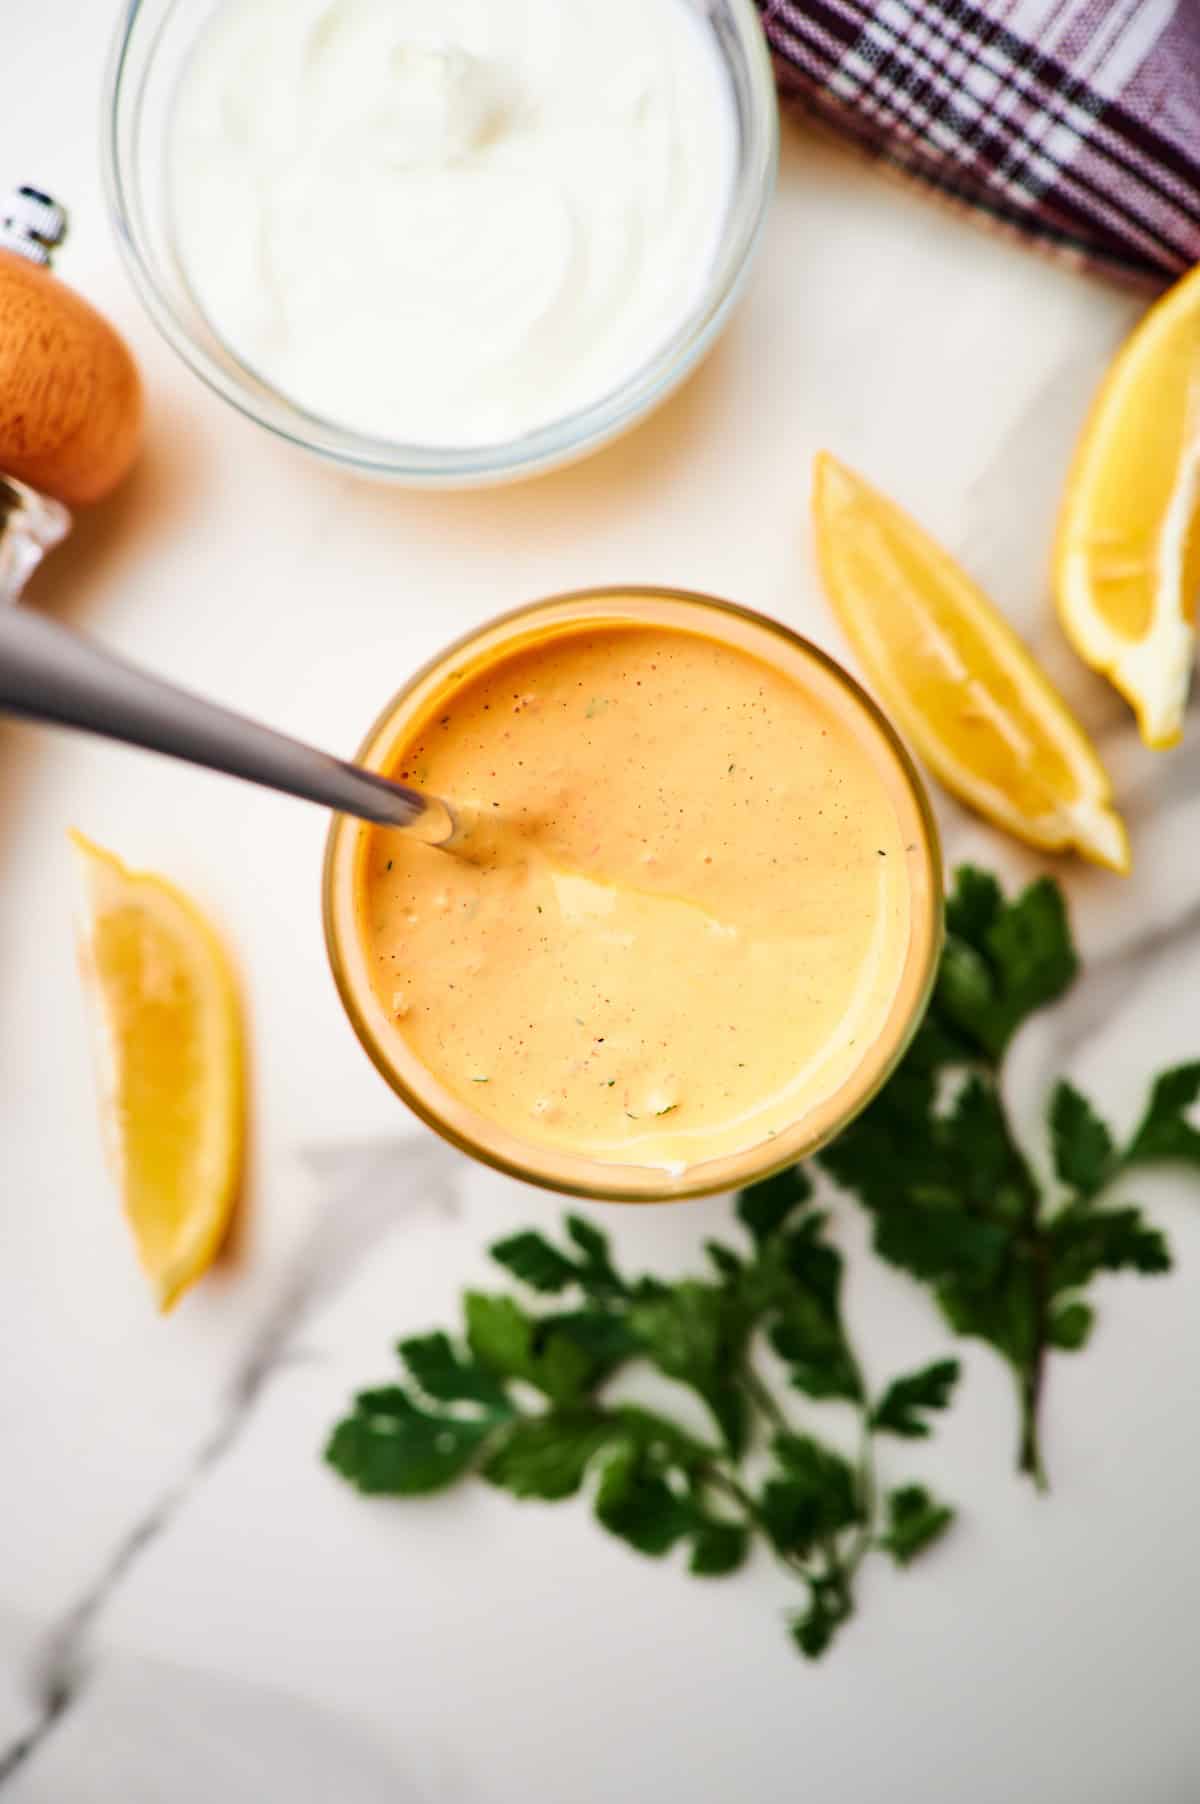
(153,41)
(427,692)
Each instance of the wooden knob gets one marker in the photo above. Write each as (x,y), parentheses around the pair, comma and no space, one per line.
(70,395)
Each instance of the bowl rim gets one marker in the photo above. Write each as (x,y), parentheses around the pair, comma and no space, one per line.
(548,1167)
(557,443)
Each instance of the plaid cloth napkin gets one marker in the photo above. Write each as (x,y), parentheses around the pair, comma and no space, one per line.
(1076,122)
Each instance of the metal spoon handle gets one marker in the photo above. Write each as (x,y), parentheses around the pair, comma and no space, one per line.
(49,673)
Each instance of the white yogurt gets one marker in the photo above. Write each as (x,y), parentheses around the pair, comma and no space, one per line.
(449,222)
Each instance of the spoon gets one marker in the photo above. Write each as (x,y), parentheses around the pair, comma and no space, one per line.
(49,673)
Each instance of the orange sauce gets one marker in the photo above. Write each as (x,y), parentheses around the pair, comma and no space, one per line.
(684,912)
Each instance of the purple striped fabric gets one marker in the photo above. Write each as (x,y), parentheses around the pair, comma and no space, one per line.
(1076,122)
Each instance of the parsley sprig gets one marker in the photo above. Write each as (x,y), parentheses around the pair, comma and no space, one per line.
(954,1199)
(529,1400)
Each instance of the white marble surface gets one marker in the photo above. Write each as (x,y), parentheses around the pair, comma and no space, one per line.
(190,1606)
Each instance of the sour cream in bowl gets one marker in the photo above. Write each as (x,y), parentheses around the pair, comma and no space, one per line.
(449,240)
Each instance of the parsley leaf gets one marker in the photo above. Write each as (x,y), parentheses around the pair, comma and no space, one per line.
(536,1261)
(1083,1241)
(1004,1312)
(719,1548)
(663,1441)
(814,1347)
(830,1606)
(988,1170)
(915,1522)
(695,1333)
(940,1243)
(974,905)
(798,1278)
(603,1335)
(547,1456)
(1084,1152)
(1071,1326)
(966,992)
(597,1274)
(636,1503)
(388,1446)
(531,1258)
(512,1344)
(901,1409)
(830,1477)
(725,1260)
(1165,1134)
(814,1494)
(1003,960)
(448,1376)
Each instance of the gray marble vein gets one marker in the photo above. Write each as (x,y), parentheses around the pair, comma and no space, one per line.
(365,1191)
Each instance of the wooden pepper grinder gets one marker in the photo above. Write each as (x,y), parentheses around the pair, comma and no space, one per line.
(70,397)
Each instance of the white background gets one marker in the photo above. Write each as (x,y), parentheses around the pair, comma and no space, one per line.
(280,1638)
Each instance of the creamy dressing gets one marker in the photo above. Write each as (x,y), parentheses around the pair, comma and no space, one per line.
(688,924)
(449,222)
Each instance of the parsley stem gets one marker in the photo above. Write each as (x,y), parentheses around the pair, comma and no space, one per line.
(724,1481)
(1029,1390)
(1032,1371)
(868,1492)
(762,1399)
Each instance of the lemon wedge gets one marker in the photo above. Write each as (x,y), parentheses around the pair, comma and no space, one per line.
(959,682)
(168,1031)
(1127,563)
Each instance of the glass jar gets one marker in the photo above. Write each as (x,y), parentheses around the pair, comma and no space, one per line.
(784,651)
